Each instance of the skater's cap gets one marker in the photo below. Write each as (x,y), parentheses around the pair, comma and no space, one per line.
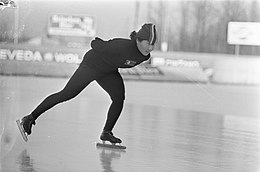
(147,32)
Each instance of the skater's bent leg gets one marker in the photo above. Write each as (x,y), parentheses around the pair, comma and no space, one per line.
(49,102)
(113,84)
(79,80)
(113,114)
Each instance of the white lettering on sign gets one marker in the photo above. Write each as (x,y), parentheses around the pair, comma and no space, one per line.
(175,62)
(48,57)
(20,55)
(37,56)
(66,58)
(71,25)
(2,54)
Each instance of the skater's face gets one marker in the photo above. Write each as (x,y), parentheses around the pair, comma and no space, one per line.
(144,47)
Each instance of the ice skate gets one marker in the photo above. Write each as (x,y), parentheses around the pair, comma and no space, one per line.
(114,141)
(7,4)
(25,126)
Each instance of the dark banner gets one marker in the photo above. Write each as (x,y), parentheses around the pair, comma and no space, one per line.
(41,54)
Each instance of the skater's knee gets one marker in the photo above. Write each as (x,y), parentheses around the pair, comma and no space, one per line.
(118,98)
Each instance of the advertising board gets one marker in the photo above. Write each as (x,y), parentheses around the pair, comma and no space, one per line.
(244,33)
(71,25)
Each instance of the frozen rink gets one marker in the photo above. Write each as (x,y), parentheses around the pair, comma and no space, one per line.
(167,127)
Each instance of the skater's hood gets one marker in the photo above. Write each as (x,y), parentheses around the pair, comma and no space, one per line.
(147,32)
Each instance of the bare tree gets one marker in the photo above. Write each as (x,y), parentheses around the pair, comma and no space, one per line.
(183,27)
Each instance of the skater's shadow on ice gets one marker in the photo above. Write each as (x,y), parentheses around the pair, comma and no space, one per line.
(25,162)
(107,155)
(8,136)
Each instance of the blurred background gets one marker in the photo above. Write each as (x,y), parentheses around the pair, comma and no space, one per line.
(203,39)
(194,106)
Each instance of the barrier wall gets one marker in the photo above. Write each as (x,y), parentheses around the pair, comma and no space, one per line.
(177,67)
(237,71)
(56,61)
(219,68)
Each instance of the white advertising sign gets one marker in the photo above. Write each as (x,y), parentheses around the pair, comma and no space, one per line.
(244,33)
(71,25)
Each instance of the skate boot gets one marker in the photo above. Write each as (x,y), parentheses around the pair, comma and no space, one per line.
(108,136)
(25,126)
(7,4)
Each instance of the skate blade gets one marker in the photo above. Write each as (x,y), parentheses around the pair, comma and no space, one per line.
(2,7)
(112,146)
(22,130)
